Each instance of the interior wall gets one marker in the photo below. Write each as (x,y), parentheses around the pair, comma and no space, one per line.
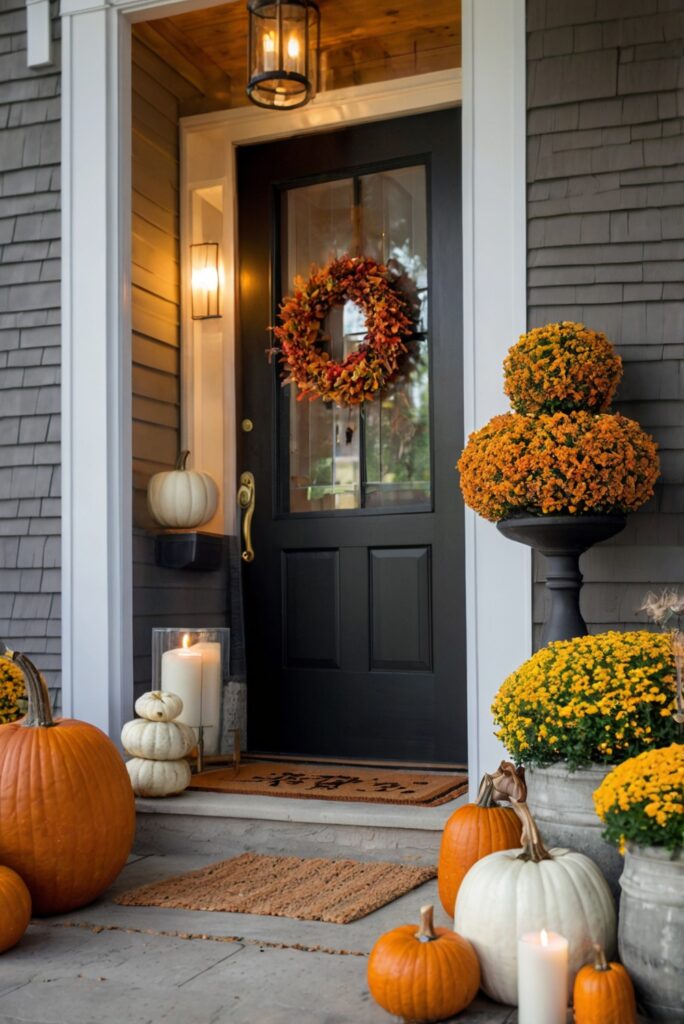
(605,135)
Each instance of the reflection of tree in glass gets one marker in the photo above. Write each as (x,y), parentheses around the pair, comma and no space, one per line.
(398,429)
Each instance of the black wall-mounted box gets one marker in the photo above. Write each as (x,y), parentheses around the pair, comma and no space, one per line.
(200,552)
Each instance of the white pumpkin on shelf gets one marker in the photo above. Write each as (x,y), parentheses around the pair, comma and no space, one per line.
(182,498)
(158,778)
(158,745)
(512,892)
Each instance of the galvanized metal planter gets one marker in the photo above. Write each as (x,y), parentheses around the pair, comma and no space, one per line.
(651,929)
(562,539)
(563,805)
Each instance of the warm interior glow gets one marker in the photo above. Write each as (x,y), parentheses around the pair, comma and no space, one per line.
(293,47)
(544,937)
(186,641)
(269,43)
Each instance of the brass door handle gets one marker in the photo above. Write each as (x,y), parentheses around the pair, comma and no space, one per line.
(246,498)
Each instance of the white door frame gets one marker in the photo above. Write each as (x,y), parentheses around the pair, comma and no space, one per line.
(96,351)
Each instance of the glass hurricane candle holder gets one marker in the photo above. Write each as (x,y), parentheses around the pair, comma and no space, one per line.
(193,662)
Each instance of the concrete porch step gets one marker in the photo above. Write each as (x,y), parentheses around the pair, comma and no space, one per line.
(221,825)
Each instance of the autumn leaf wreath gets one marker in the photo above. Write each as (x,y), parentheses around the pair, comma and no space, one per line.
(370,367)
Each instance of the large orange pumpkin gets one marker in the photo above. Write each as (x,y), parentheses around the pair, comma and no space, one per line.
(15,908)
(473,832)
(67,811)
(604,993)
(423,974)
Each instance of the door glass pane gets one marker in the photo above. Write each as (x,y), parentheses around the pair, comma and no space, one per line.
(377,456)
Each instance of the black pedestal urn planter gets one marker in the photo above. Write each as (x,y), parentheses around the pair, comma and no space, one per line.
(562,539)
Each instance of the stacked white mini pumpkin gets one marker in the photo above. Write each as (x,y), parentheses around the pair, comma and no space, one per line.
(158,745)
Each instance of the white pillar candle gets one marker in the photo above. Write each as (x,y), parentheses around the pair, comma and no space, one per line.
(181,673)
(542,978)
(211,693)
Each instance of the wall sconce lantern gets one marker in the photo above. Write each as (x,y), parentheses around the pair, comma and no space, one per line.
(283,48)
(204,266)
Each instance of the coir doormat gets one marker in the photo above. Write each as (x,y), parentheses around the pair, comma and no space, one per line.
(315,782)
(311,889)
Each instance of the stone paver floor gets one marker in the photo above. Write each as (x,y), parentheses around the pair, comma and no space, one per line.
(138,965)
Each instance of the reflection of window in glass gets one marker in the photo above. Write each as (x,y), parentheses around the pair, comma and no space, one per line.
(394,226)
(379,456)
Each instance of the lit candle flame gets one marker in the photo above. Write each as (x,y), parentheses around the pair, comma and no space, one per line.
(269,43)
(293,47)
(544,937)
(186,641)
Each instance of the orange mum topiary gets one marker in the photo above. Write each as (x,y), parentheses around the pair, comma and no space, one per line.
(561,367)
(554,464)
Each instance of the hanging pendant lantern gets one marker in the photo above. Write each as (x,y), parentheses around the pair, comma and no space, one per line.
(283,47)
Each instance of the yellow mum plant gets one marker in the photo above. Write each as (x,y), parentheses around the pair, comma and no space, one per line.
(571,463)
(642,800)
(592,699)
(11,691)
(561,367)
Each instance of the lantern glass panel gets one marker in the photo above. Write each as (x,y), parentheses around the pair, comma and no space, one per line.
(204,260)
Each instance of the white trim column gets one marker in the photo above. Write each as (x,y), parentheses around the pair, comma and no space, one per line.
(96,364)
(498,572)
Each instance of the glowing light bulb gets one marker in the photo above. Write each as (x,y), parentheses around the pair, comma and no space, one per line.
(269,45)
(205,279)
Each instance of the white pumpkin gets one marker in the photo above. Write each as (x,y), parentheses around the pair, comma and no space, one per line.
(158,778)
(158,741)
(159,706)
(512,892)
(182,498)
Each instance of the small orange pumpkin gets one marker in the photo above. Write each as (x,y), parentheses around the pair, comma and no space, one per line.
(67,811)
(473,832)
(604,993)
(425,974)
(15,908)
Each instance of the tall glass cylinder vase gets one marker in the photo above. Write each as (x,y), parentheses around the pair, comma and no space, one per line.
(193,662)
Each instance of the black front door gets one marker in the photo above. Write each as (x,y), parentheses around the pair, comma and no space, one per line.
(354,603)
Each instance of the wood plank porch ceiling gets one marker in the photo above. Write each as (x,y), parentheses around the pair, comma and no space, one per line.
(360,43)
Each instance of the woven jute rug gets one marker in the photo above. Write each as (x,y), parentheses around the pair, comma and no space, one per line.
(315,782)
(311,889)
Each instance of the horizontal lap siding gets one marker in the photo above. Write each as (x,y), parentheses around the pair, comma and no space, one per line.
(156,93)
(161,597)
(30,525)
(606,246)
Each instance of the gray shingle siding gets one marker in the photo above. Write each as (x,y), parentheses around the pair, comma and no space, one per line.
(29,347)
(605,133)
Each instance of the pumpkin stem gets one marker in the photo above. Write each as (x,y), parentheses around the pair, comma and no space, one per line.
(39,711)
(509,783)
(533,846)
(600,962)
(485,794)
(182,459)
(426,932)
